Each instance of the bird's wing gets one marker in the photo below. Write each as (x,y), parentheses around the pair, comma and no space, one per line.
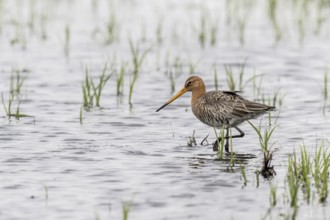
(219,105)
(230,105)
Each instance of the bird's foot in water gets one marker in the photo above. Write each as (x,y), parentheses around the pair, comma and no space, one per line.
(227,146)
(216,146)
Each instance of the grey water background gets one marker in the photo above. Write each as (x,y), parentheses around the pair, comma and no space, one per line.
(134,154)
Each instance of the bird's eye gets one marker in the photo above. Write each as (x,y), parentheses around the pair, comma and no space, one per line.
(189,83)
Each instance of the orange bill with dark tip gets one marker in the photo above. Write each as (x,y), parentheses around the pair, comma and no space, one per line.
(180,93)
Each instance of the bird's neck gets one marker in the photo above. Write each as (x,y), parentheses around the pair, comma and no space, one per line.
(197,93)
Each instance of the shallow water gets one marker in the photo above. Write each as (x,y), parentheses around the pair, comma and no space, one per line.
(53,167)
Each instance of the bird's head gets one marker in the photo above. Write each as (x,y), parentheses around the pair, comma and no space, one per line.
(193,83)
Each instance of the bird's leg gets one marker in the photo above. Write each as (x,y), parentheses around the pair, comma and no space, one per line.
(216,146)
(227,140)
(241,134)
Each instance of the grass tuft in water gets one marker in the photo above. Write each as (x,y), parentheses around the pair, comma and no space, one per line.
(91,92)
(103,79)
(311,175)
(267,170)
(293,181)
(305,171)
(126,209)
(320,171)
(88,98)
(15,87)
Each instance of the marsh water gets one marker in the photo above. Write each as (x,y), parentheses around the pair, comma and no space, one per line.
(55,167)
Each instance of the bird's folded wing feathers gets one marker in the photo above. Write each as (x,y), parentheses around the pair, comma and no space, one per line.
(233,105)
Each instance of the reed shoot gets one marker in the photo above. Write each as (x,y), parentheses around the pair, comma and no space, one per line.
(131,87)
(92,92)
(137,60)
(88,97)
(159,32)
(273,198)
(172,81)
(102,82)
(137,56)
(202,29)
(67,39)
(120,81)
(242,168)
(81,115)
(272,9)
(325,85)
(230,78)
(214,33)
(126,209)
(215,78)
(111,29)
(46,192)
(15,87)
(221,143)
(293,181)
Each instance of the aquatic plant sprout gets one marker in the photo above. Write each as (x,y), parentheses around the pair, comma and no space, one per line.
(15,88)
(92,92)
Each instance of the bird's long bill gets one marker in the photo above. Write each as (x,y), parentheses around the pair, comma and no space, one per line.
(180,93)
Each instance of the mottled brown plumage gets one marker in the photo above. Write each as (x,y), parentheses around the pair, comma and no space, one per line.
(219,108)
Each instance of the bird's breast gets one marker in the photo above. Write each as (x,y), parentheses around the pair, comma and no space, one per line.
(206,115)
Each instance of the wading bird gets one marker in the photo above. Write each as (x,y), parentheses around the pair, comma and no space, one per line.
(219,108)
